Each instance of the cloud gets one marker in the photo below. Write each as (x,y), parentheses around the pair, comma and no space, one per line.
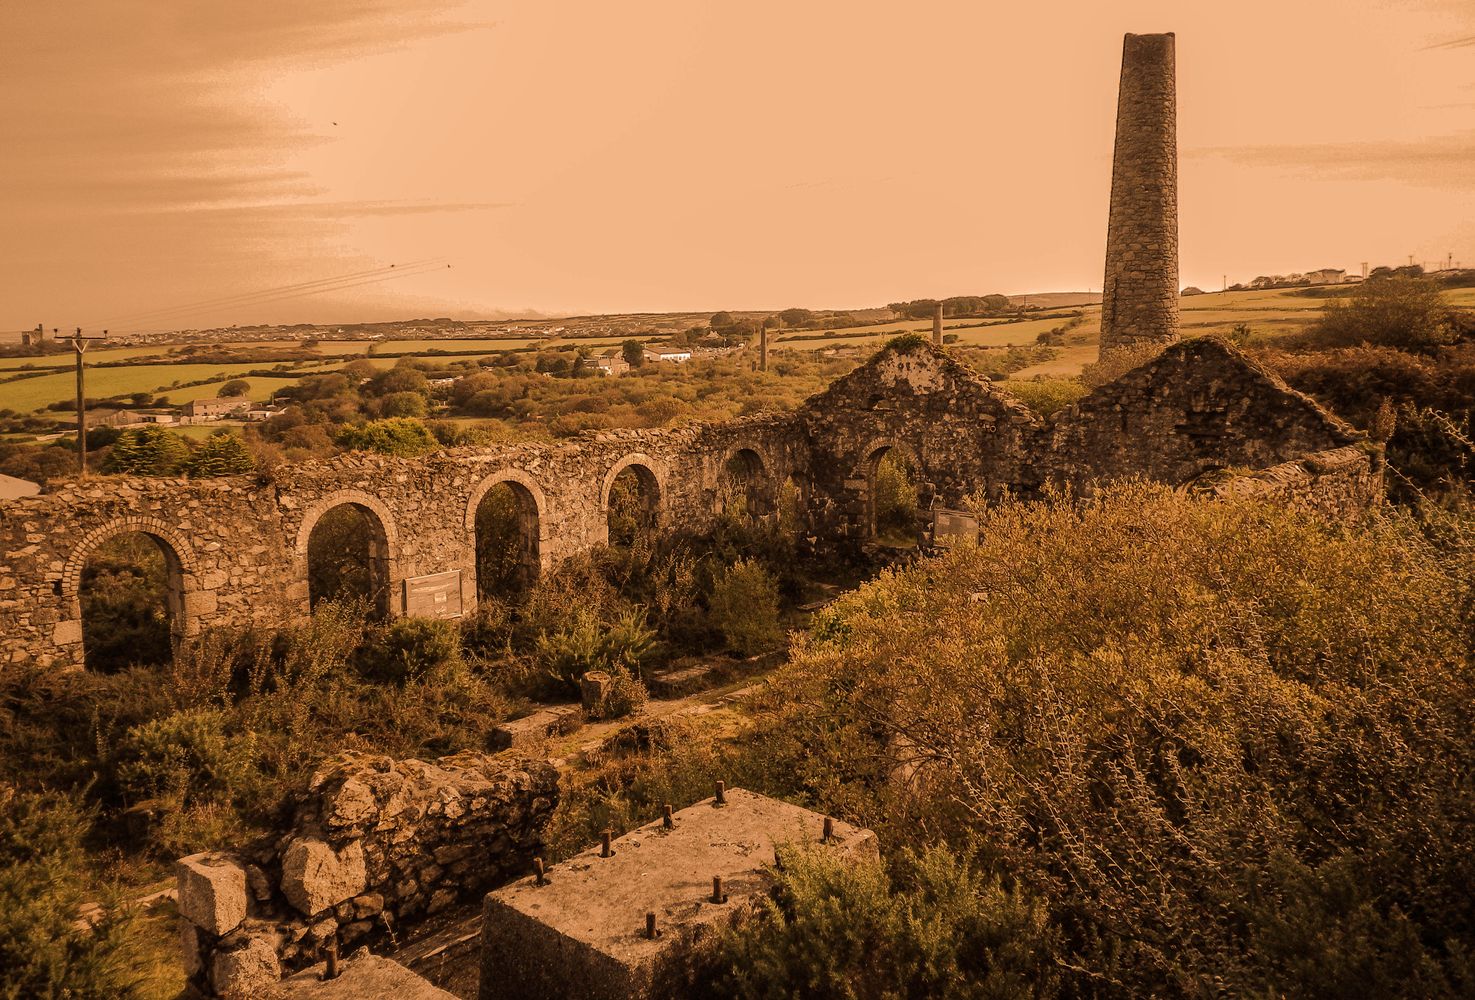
(1439,161)
(1454,43)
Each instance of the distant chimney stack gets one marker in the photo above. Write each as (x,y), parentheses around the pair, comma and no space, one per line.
(937,325)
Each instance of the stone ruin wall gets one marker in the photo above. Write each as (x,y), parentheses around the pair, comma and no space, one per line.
(1140,292)
(372,843)
(240,543)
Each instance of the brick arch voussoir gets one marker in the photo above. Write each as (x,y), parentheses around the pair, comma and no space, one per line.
(338,498)
(179,547)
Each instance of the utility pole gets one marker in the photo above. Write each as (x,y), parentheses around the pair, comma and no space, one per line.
(79,344)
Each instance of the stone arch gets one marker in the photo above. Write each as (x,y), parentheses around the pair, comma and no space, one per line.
(656,469)
(382,543)
(532,539)
(865,469)
(337,499)
(509,475)
(175,546)
(745,465)
(652,478)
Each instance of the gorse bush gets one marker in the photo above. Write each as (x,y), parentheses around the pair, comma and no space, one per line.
(406,649)
(744,605)
(1225,745)
(44,878)
(1403,312)
(842,927)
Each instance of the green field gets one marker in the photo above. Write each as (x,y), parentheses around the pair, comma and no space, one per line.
(25,395)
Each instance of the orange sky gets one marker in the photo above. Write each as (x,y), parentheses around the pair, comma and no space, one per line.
(580,156)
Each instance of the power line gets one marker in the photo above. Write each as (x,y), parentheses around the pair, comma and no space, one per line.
(267,295)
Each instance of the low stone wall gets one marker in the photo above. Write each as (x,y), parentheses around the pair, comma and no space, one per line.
(373,841)
(1340,482)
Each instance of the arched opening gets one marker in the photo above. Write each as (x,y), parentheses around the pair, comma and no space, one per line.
(745,485)
(634,504)
(348,559)
(892,486)
(506,541)
(131,595)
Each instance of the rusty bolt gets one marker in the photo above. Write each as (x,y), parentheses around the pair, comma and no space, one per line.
(721,794)
(330,948)
(650,925)
(718,896)
(604,849)
(666,820)
(541,878)
(829,833)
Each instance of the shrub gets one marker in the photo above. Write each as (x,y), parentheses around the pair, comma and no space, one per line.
(1225,744)
(586,643)
(43,880)
(222,454)
(409,649)
(1046,396)
(401,436)
(147,451)
(625,696)
(185,758)
(1403,312)
(744,606)
(842,928)
(906,343)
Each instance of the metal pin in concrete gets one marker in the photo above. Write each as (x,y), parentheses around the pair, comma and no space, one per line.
(330,949)
(650,926)
(718,896)
(540,878)
(829,831)
(605,851)
(721,799)
(666,821)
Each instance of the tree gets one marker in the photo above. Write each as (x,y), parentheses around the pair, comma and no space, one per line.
(398,379)
(147,451)
(1401,312)
(633,351)
(401,436)
(235,387)
(403,404)
(222,454)
(721,321)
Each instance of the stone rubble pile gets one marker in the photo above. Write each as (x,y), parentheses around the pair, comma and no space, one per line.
(373,841)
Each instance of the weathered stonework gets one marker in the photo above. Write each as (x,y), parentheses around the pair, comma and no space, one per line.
(237,547)
(372,842)
(1139,302)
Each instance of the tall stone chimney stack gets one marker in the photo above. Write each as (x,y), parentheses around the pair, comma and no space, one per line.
(937,325)
(1140,295)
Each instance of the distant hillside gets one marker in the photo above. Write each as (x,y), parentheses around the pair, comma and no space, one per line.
(1057,300)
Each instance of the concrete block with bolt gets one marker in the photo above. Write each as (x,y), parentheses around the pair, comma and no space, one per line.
(626,925)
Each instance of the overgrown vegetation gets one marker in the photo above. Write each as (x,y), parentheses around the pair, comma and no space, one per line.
(1174,748)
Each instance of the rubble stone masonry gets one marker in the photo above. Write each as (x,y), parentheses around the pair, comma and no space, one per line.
(237,546)
(1140,292)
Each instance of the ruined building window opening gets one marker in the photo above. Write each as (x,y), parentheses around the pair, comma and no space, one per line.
(348,559)
(132,601)
(634,504)
(893,490)
(507,555)
(745,489)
